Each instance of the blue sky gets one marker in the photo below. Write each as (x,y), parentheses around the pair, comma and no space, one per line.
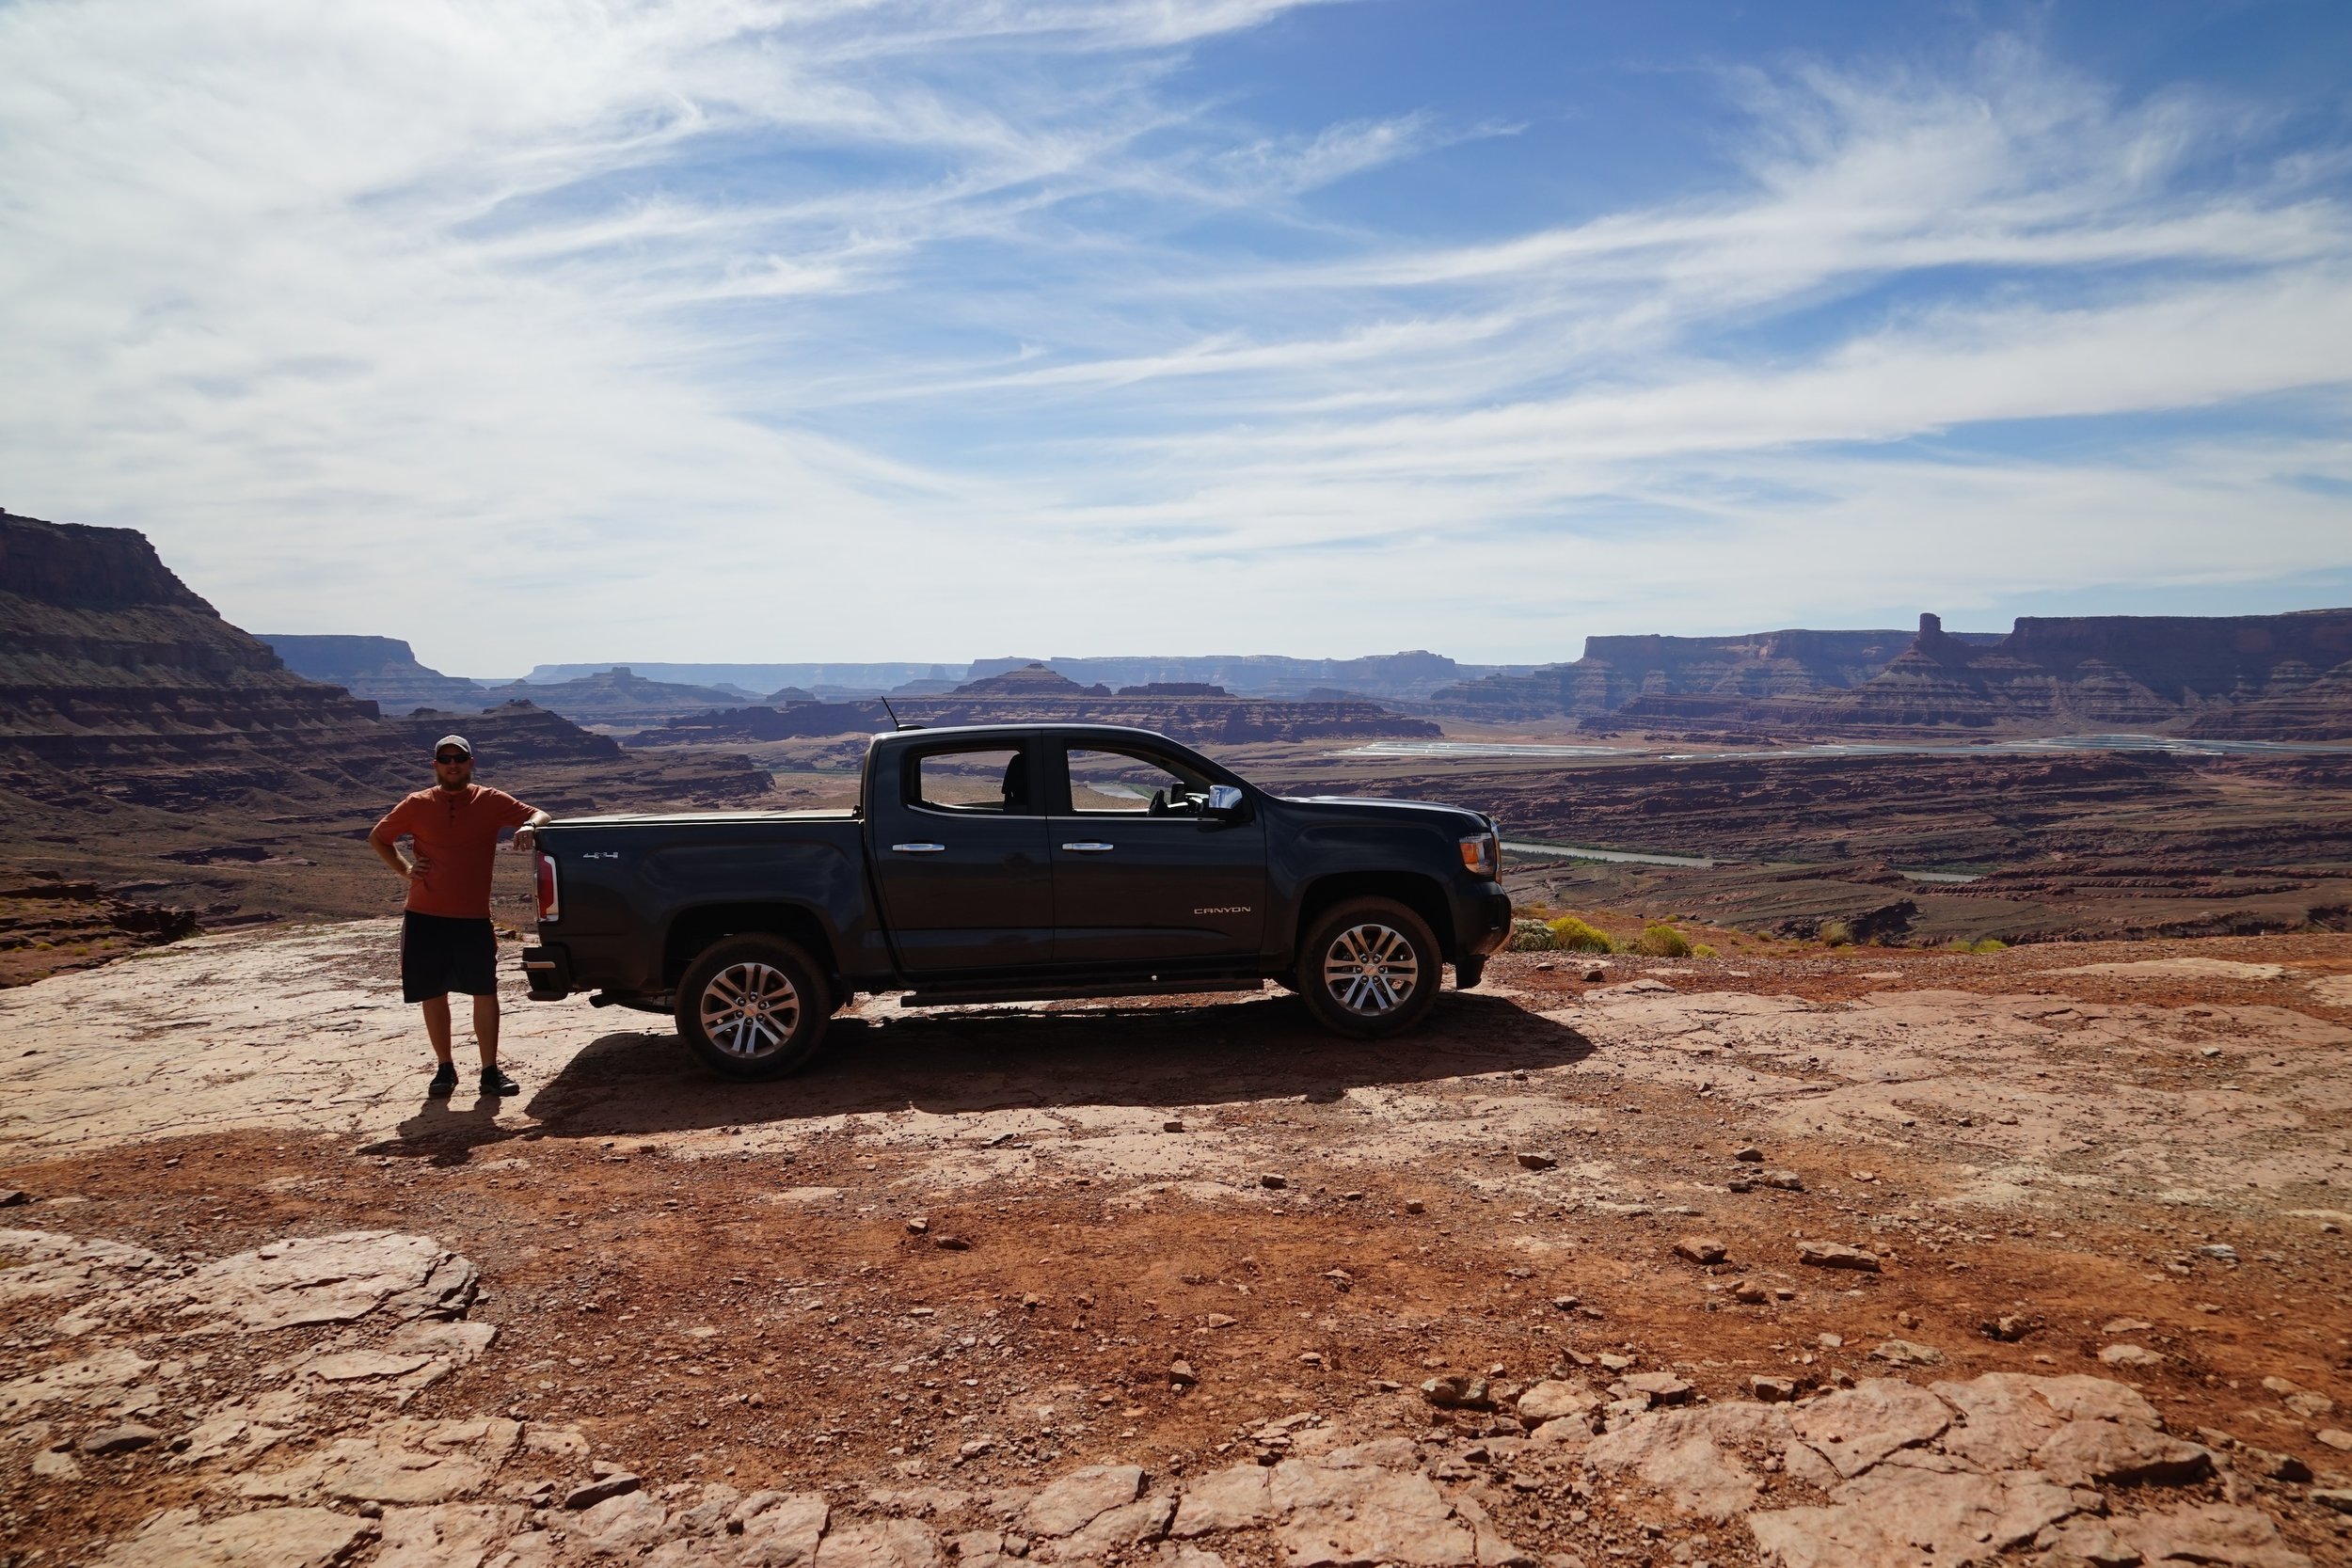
(550,330)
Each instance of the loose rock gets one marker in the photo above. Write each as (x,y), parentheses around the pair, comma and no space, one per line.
(619,1483)
(1837,1255)
(1701,1249)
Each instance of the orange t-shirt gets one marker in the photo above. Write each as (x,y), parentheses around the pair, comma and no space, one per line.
(456,832)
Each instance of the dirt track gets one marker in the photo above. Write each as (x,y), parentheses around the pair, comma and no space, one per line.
(967,1250)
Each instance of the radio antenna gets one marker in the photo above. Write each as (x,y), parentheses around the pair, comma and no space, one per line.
(894,714)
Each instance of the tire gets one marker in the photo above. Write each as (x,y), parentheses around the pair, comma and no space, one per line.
(752,1006)
(1370,969)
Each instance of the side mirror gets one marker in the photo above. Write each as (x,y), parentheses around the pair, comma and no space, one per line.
(1224,801)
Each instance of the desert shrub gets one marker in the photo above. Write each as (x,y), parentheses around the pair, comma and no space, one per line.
(1572,935)
(1662,942)
(1532,936)
(1836,933)
(1701,950)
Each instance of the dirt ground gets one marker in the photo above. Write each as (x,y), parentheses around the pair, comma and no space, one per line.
(971,1253)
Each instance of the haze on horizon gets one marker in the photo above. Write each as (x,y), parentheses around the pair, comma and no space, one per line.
(785,330)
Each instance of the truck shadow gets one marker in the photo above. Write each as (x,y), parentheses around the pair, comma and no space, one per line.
(1261,1048)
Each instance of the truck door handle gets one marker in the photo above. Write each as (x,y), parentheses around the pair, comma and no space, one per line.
(1091,847)
(917,849)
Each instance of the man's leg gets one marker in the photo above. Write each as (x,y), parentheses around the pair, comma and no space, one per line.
(436,1010)
(485,1027)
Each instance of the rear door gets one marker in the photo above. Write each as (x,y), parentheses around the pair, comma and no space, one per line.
(1141,877)
(960,851)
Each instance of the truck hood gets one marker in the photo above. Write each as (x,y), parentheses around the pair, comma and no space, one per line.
(1455,820)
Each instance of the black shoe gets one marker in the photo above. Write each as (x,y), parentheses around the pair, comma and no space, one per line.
(444,1082)
(495,1082)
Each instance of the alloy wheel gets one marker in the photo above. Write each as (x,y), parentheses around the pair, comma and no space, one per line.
(750,1010)
(1371,969)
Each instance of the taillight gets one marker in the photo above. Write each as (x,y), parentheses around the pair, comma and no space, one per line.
(550,901)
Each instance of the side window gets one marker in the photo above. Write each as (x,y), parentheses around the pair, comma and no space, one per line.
(1113,783)
(972,779)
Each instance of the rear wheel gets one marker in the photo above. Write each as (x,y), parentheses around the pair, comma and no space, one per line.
(1369,968)
(752,1006)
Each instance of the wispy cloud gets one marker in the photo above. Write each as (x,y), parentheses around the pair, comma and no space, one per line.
(547,329)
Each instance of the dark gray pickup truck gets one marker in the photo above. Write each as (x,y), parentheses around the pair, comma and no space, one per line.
(1014,864)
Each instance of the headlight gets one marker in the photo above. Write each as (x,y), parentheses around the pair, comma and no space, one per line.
(1480,853)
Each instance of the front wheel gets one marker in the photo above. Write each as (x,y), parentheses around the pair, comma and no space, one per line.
(752,1006)
(1369,968)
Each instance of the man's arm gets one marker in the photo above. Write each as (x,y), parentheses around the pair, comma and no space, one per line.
(385,841)
(527,836)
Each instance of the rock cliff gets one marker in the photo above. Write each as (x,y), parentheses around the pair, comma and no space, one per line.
(2278,677)
(384,669)
(104,652)
(1663,671)
(2275,677)
(152,750)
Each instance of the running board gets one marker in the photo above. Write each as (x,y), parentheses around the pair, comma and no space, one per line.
(1073,993)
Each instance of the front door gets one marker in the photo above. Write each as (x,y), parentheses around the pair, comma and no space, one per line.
(961,850)
(1141,877)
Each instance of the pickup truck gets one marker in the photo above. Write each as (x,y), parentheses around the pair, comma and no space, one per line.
(1014,863)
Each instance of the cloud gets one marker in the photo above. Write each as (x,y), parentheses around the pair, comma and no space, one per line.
(539,330)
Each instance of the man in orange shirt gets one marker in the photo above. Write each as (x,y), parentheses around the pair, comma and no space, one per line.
(446,942)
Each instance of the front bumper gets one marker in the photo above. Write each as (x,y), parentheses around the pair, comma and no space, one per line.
(1482,922)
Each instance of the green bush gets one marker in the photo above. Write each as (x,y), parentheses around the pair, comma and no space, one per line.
(1532,936)
(1662,942)
(1987,944)
(1836,933)
(1574,936)
(1701,950)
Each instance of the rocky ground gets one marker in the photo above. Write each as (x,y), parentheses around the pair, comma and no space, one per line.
(1793,1257)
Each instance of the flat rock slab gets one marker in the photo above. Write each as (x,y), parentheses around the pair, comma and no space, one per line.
(1353,1518)
(402,1461)
(2210,1533)
(886,1543)
(106,1379)
(328,1279)
(1855,1428)
(1073,1501)
(268,1538)
(2170,968)
(1237,1498)
(453,1535)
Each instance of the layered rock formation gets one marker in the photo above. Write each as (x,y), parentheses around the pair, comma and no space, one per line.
(1034,693)
(1028,681)
(1663,671)
(106,654)
(383,670)
(1410,676)
(2274,677)
(171,762)
(615,696)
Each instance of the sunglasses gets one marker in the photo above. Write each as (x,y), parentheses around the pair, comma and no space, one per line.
(451,757)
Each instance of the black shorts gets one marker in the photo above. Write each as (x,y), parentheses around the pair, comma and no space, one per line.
(439,955)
